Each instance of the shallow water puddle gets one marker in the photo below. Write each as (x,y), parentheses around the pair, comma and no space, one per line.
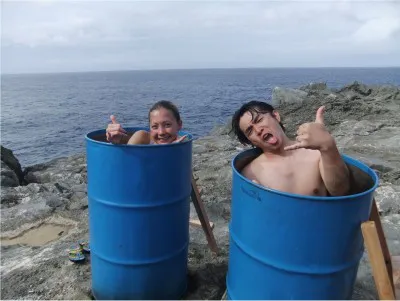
(38,236)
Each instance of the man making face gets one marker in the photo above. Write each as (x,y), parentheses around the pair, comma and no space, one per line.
(311,165)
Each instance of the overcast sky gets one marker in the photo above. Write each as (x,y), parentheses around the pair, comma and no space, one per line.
(54,36)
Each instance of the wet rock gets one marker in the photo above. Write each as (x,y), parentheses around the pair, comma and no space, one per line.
(13,166)
(8,177)
(8,199)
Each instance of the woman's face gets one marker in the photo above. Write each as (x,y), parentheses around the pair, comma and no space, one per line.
(164,127)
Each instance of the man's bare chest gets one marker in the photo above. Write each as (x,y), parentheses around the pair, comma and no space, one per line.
(295,176)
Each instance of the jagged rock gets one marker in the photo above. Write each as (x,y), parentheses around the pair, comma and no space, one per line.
(79,204)
(8,177)
(8,199)
(282,96)
(55,201)
(223,130)
(11,172)
(387,198)
(314,86)
(357,88)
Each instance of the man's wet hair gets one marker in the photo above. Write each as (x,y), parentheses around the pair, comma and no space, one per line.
(168,105)
(254,107)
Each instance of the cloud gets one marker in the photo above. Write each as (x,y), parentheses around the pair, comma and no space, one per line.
(378,30)
(89,35)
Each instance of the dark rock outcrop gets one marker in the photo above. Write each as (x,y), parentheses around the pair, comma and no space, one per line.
(11,172)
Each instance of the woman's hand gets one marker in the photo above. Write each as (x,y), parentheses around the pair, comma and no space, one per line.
(114,132)
(180,139)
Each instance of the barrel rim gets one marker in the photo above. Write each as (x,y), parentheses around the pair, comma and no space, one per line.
(347,158)
(135,128)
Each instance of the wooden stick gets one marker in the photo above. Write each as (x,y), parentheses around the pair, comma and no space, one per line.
(224,296)
(197,223)
(381,276)
(396,275)
(201,213)
(375,217)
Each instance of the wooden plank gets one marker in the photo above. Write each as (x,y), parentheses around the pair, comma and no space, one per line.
(197,223)
(375,254)
(396,275)
(201,213)
(375,217)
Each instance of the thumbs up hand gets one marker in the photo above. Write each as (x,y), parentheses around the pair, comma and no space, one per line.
(313,135)
(319,118)
(114,132)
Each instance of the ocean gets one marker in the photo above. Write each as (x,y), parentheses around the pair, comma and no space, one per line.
(46,116)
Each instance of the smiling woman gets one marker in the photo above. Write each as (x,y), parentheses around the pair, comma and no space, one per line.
(165,124)
(139,207)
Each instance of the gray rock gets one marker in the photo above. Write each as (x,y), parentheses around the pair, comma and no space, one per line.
(79,188)
(8,199)
(375,142)
(387,198)
(224,129)
(358,88)
(8,177)
(68,171)
(80,204)
(77,196)
(35,177)
(30,209)
(13,164)
(54,201)
(314,86)
(282,96)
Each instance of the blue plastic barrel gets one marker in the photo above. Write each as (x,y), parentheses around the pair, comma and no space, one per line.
(288,246)
(138,218)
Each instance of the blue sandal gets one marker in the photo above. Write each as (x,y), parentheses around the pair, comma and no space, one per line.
(84,246)
(75,254)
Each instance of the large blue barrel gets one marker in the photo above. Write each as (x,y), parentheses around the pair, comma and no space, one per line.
(287,246)
(138,218)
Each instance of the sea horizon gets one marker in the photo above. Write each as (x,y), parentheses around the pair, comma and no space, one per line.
(198,69)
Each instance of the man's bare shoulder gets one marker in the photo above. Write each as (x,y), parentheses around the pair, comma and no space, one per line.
(250,169)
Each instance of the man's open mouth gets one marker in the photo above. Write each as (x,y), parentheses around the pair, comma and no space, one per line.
(269,138)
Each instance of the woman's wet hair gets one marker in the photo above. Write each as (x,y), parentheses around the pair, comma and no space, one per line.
(168,106)
(254,107)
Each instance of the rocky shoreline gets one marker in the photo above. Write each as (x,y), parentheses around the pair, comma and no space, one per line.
(52,196)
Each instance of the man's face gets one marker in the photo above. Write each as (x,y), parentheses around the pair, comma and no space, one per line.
(164,127)
(263,130)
